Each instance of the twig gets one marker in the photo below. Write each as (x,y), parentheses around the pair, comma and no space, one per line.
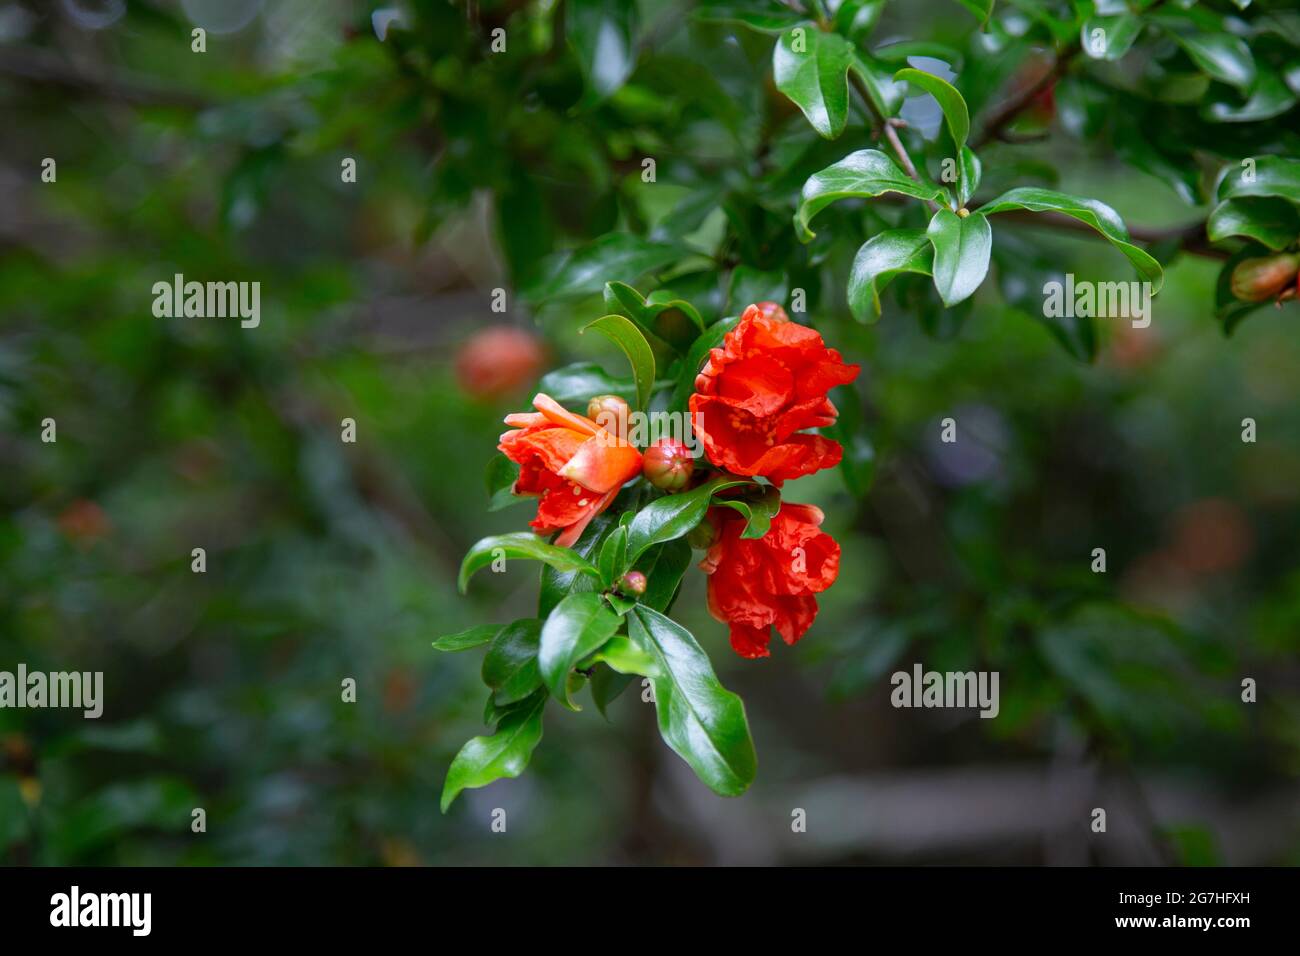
(44,69)
(888,126)
(1002,117)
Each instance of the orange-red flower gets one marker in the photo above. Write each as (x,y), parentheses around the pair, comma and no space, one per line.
(758,583)
(572,464)
(498,361)
(765,384)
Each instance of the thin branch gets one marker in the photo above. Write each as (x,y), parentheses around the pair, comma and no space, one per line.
(888,126)
(996,124)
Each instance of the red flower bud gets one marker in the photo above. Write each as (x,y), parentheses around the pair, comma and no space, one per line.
(609,412)
(1265,277)
(633,583)
(668,464)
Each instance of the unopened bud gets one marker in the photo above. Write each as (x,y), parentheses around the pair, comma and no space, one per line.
(609,412)
(668,464)
(1265,277)
(633,583)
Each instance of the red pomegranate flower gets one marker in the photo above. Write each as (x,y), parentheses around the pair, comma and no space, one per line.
(757,583)
(498,361)
(573,465)
(767,382)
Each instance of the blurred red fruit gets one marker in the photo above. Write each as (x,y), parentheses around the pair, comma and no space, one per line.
(499,361)
(84,522)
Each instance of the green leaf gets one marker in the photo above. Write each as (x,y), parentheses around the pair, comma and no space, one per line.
(614,256)
(663,314)
(556,584)
(699,719)
(1265,176)
(970,171)
(1109,38)
(671,562)
(510,665)
(1096,214)
(856,18)
(747,286)
(464,640)
(1221,56)
(764,16)
(579,625)
(1266,219)
(627,655)
(520,544)
(886,94)
(811,68)
(601,32)
(504,754)
(502,473)
(950,101)
(980,9)
(758,512)
(578,383)
(606,685)
(880,258)
(613,557)
(962,248)
(694,361)
(623,332)
(1270,97)
(861,175)
(673,516)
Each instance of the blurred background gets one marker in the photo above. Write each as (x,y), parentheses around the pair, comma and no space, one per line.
(328,560)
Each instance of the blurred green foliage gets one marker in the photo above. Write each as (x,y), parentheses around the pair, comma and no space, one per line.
(476,171)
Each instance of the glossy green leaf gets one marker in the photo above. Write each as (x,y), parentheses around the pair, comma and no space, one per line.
(627,655)
(1267,219)
(556,584)
(510,665)
(811,68)
(606,685)
(953,104)
(861,175)
(856,18)
(1096,214)
(1109,38)
(520,544)
(465,640)
(758,511)
(886,93)
(1263,176)
(764,16)
(879,259)
(617,256)
(601,33)
(962,248)
(699,719)
(671,563)
(502,473)
(747,286)
(579,625)
(662,314)
(503,754)
(1221,56)
(624,333)
(613,556)
(969,172)
(673,516)
(576,384)
(1269,97)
